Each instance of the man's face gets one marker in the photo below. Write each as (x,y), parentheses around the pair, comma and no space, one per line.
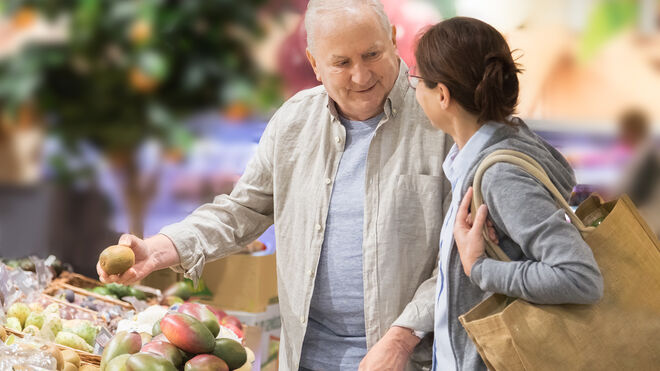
(356,61)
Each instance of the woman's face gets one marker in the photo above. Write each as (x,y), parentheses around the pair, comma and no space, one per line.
(431,102)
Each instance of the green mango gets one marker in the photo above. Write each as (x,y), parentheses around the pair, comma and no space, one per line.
(14,324)
(231,352)
(165,350)
(51,327)
(118,289)
(85,330)
(203,314)
(35,319)
(101,291)
(206,362)
(138,294)
(73,341)
(147,361)
(180,289)
(20,311)
(122,343)
(118,363)
(187,333)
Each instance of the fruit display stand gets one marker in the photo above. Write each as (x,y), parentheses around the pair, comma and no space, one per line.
(85,357)
(65,317)
(266,345)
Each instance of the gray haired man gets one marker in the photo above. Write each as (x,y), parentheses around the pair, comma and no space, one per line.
(350,172)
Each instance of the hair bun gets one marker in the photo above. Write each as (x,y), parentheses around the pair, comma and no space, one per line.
(497,92)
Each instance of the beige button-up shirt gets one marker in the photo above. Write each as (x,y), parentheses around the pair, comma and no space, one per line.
(289,182)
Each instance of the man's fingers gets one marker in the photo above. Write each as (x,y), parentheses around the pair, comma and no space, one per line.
(130,276)
(102,275)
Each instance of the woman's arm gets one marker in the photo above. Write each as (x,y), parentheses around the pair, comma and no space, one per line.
(561,269)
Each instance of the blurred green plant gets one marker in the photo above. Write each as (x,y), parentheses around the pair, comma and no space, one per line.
(608,18)
(132,70)
(447,8)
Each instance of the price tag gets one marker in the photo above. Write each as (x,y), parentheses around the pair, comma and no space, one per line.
(102,338)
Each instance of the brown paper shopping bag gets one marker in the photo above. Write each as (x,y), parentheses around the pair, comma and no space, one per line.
(620,332)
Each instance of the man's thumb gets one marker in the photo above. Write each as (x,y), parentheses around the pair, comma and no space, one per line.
(126,240)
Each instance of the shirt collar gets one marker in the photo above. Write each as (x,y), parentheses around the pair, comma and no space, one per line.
(457,162)
(394,100)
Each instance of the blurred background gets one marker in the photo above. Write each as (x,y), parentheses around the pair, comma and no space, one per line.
(124,116)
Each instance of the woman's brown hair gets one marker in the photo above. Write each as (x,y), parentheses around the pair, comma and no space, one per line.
(474,61)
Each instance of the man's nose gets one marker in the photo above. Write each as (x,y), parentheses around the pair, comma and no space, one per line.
(360,75)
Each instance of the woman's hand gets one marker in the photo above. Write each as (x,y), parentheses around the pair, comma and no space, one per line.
(468,236)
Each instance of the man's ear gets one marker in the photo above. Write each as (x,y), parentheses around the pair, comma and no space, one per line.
(394,35)
(312,62)
(443,95)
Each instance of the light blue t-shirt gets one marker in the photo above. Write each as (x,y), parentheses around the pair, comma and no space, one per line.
(335,337)
(456,166)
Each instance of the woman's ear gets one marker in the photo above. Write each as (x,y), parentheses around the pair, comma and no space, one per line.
(443,96)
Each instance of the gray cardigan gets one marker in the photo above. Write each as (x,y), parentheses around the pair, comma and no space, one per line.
(551,264)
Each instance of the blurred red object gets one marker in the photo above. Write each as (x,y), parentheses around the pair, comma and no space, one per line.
(410,17)
(294,68)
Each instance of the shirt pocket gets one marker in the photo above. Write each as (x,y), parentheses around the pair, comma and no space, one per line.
(420,184)
(418,208)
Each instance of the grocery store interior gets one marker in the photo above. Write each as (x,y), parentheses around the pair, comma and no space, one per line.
(125,116)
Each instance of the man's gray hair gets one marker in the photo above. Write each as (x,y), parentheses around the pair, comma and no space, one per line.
(315,8)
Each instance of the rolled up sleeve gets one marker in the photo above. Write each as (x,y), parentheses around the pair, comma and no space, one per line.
(220,228)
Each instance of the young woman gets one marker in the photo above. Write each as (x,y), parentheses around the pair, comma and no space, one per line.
(467,84)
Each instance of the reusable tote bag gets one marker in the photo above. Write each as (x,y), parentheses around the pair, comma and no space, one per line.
(620,332)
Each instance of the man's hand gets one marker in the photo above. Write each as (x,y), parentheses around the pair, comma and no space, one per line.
(391,352)
(152,254)
(469,238)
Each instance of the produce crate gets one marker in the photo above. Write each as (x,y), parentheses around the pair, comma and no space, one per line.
(85,357)
(61,285)
(78,280)
(67,304)
(78,283)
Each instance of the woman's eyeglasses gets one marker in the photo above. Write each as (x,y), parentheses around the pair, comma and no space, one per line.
(413,78)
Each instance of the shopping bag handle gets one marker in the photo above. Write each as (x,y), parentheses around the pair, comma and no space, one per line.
(533,168)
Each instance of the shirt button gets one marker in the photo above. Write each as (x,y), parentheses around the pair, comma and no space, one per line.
(318,227)
(302,319)
(338,139)
(311,273)
(328,181)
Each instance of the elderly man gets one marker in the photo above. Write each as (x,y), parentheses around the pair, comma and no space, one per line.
(350,172)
